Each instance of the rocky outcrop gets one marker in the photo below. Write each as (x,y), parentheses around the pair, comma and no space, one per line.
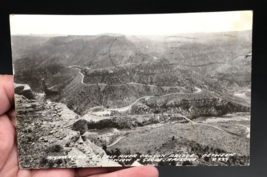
(52,130)
(24,89)
(81,126)
(24,105)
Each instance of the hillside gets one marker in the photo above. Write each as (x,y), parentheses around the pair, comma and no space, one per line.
(97,52)
(115,70)
(23,45)
(42,136)
(48,58)
(179,94)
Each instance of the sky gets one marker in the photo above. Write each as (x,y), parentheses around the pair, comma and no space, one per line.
(152,24)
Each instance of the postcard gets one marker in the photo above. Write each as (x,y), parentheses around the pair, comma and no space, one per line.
(132,90)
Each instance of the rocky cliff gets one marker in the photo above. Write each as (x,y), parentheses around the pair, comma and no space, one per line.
(46,139)
(25,90)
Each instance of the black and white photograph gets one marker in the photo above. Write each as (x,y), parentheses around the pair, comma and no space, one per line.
(132,90)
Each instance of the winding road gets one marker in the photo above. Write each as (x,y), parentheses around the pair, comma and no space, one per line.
(130,83)
(126,108)
(115,142)
(195,123)
(123,109)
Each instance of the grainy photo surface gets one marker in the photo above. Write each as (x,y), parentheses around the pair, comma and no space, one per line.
(132,90)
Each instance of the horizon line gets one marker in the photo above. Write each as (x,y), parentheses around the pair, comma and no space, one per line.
(124,34)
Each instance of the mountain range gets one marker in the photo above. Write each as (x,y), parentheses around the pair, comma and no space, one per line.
(117,67)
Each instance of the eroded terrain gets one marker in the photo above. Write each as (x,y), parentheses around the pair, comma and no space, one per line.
(84,101)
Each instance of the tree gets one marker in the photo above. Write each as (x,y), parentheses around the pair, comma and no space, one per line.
(104,147)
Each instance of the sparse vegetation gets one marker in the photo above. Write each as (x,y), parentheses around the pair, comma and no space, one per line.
(130,96)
